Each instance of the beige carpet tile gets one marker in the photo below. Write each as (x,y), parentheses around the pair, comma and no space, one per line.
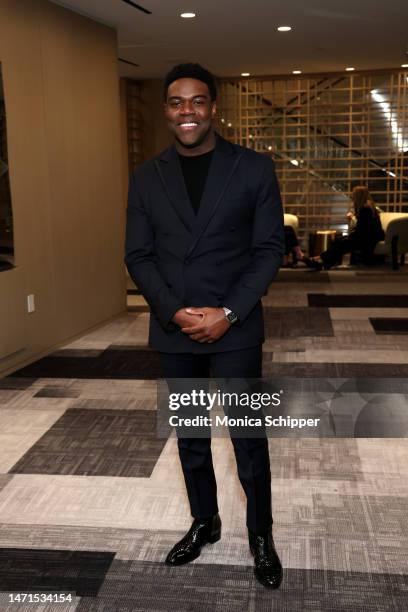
(20,430)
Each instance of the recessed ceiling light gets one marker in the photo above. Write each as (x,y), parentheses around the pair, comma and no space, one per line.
(284,29)
(245,73)
(350,69)
(296,72)
(187,15)
(404,65)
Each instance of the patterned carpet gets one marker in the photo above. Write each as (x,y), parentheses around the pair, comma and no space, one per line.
(91,499)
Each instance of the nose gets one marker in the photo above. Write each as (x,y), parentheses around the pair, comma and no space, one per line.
(187,108)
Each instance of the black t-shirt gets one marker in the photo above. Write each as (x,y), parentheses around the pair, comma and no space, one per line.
(195,172)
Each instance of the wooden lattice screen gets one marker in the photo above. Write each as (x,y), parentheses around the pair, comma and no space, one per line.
(326,135)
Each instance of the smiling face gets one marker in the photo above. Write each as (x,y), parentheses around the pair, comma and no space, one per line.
(190,112)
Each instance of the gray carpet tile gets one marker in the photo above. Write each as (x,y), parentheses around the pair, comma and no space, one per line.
(357,301)
(4,480)
(333,370)
(81,572)
(7,395)
(321,458)
(120,403)
(96,443)
(141,587)
(305,534)
(389,325)
(283,322)
(380,518)
(57,391)
(20,383)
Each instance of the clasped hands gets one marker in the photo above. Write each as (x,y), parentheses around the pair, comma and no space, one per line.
(202,324)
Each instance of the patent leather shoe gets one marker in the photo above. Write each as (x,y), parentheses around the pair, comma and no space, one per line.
(268,568)
(200,533)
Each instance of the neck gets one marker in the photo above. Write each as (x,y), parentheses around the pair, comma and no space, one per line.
(204,147)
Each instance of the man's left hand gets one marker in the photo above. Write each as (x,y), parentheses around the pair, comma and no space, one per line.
(211,327)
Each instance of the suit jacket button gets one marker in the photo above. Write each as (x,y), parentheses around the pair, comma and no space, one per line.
(232,228)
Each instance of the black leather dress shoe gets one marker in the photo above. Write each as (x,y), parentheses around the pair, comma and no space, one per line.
(268,568)
(200,533)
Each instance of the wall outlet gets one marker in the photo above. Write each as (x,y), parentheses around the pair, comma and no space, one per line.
(30,303)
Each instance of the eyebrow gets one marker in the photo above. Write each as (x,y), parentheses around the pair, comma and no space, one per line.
(190,98)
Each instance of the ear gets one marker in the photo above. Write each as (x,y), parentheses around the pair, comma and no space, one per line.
(213,109)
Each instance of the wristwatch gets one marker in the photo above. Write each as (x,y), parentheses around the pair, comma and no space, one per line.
(231,316)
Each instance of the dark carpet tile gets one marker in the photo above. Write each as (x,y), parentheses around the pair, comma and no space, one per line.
(386,274)
(82,572)
(335,370)
(16,384)
(138,309)
(96,443)
(282,322)
(120,364)
(135,586)
(357,301)
(80,352)
(54,391)
(303,275)
(389,325)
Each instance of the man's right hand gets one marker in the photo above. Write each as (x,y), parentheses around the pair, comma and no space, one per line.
(185,319)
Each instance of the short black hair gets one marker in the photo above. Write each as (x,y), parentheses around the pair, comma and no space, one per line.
(191,71)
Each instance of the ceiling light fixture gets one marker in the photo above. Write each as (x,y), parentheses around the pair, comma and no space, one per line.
(296,72)
(245,74)
(350,69)
(404,65)
(284,29)
(187,15)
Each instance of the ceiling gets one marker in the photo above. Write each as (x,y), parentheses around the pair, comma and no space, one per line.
(234,36)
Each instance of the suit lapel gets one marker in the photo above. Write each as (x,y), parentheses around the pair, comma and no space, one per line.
(171,175)
(223,165)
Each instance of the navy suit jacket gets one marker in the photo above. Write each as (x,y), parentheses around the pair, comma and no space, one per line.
(227,255)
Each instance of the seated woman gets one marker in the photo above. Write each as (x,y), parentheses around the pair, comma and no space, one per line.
(363,237)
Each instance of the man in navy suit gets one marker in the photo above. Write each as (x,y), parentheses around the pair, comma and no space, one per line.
(204,240)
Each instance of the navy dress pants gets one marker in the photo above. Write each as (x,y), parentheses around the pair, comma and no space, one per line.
(252,454)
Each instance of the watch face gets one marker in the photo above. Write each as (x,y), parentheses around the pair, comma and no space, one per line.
(232,317)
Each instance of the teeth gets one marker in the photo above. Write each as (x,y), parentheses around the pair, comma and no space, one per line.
(188,124)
